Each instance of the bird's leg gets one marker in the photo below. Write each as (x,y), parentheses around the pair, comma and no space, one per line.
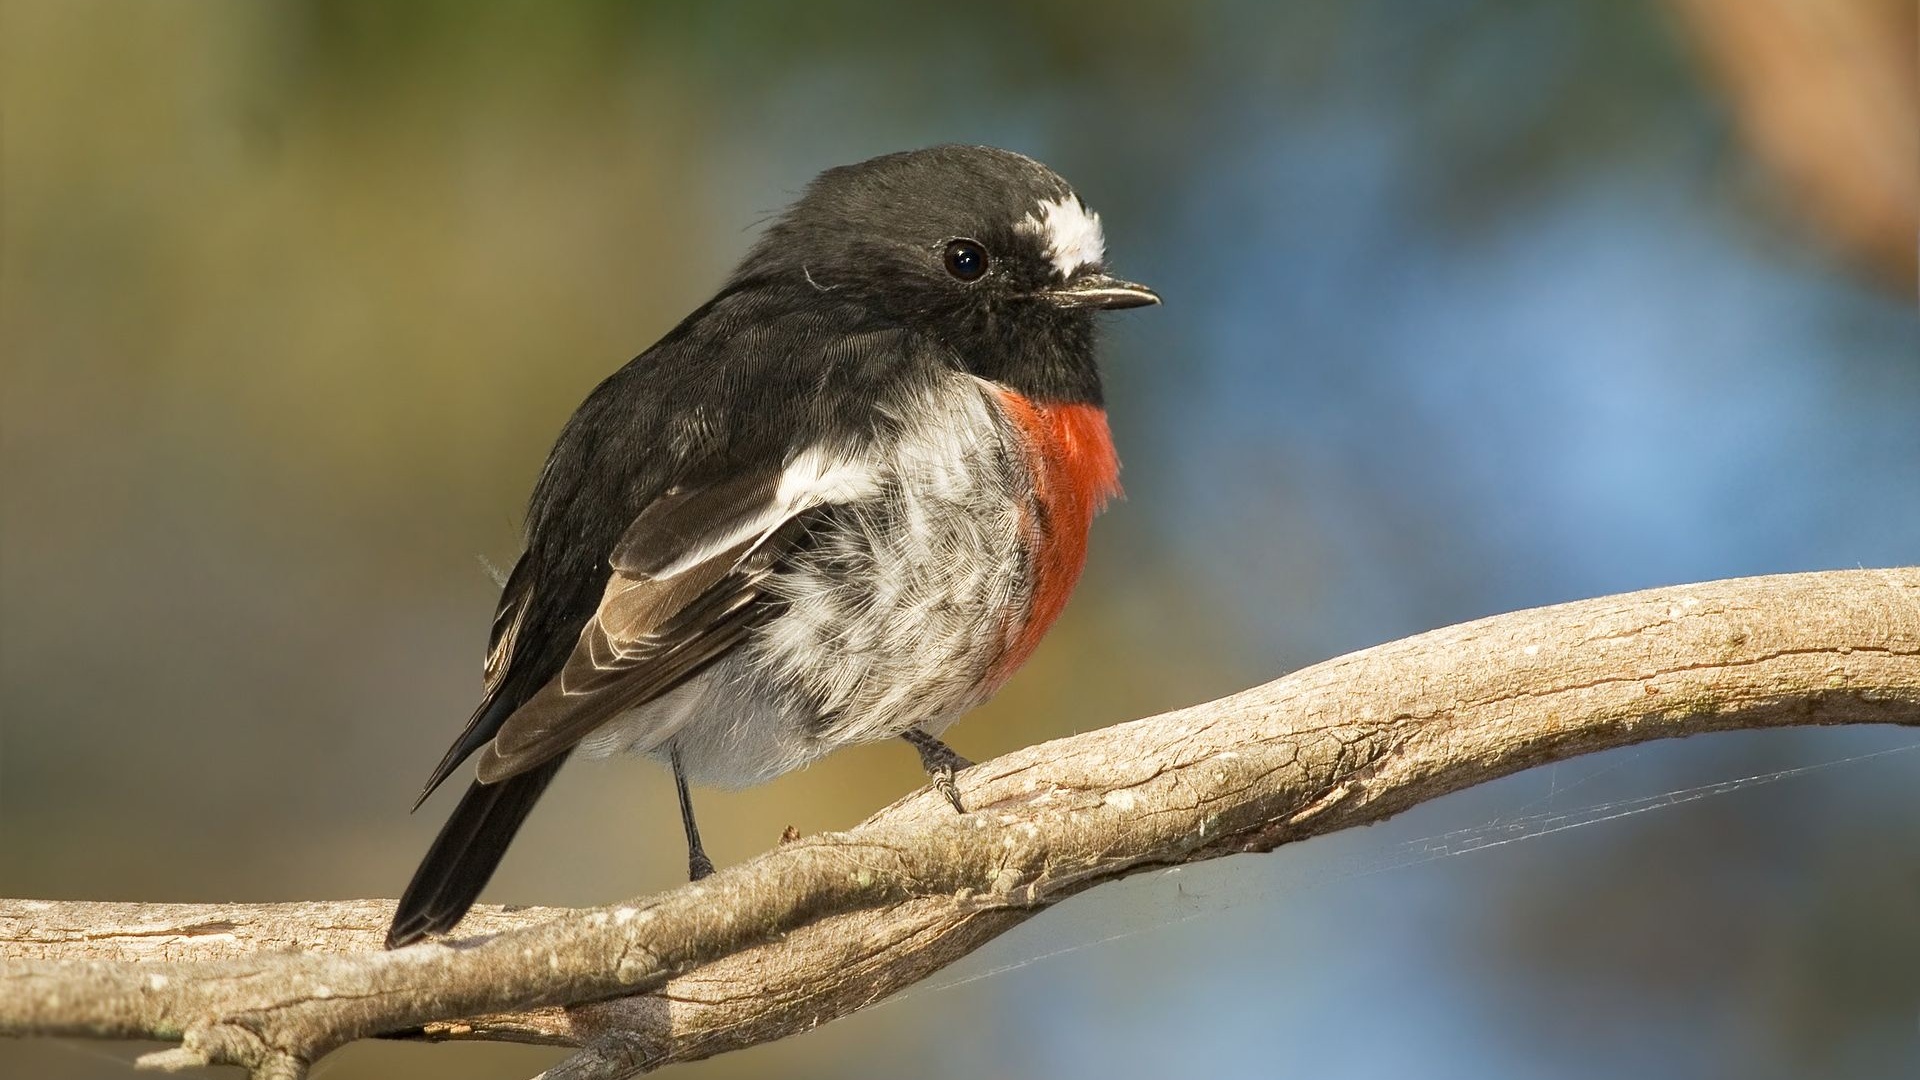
(940,762)
(698,865)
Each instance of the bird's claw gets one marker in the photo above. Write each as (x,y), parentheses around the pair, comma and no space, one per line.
(698,866)
(943,783)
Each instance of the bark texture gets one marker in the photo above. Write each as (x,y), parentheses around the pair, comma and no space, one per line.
(825,925)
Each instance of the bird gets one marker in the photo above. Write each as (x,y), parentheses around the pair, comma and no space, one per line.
(841,502)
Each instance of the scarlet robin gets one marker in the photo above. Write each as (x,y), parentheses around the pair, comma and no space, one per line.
(841,502)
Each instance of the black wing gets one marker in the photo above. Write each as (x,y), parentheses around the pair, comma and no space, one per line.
(649,537)
(686,587)
(661,620)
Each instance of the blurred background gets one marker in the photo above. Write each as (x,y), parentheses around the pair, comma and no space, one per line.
(1470,306)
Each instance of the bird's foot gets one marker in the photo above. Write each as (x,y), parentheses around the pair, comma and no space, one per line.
(941,763)
(698,865)
(943,783)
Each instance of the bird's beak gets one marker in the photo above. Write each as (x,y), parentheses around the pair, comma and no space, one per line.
(1102,291)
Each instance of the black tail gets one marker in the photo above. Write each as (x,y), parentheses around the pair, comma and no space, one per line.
(466,853)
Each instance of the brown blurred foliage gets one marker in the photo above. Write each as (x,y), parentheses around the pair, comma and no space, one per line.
(1827,94)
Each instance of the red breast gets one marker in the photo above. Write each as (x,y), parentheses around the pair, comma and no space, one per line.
(1075,471)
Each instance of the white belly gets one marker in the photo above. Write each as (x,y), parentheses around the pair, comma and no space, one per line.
(894,614)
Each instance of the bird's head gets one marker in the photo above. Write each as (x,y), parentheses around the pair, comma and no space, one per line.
(986,251)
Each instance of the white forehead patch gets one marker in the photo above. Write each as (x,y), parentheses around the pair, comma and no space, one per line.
(1070,231)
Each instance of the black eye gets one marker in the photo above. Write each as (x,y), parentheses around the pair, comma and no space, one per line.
(966,260)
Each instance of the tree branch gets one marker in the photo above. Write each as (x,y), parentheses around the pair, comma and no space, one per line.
(823,926)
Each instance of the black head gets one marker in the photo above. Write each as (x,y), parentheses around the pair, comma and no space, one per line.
(988,252)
